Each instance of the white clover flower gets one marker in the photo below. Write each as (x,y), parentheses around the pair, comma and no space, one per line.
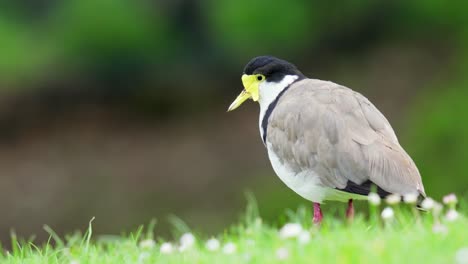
(410,198)
(393,199)
(461,257)
(450,199)
(373,198)
(304,237)
(428,203)
(439,228)
(229,248)
(282,253)
(451,215)
(166,248)
(147,244)
(290,230)
(387,214)
(187,240)
(212,244)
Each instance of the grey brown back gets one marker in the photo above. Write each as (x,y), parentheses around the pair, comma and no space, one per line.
(339,134)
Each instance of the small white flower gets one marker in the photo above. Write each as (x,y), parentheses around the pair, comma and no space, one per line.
(290,230)
(147,244)
(166,248)
(451,215)
(439,228)
(461,257)
(373,198)
(212,244)
(229,248)
(187,240)
(74,261)
(410,198)
(450,199)
(282,253)
(304,237)
(393,199)
(387,214)
(428,203)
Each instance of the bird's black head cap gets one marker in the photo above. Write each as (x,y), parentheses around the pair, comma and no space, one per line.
(272,68)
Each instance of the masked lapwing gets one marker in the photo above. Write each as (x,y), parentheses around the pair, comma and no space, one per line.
(324,140)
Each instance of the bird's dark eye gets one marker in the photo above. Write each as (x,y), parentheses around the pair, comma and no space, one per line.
(259,77)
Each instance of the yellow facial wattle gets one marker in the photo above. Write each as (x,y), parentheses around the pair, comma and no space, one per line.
(251,83)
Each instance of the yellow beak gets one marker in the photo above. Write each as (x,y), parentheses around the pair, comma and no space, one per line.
(250,83)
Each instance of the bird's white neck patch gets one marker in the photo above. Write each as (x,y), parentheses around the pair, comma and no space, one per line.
(268,92)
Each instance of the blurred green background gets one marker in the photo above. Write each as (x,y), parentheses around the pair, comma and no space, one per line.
(117,108)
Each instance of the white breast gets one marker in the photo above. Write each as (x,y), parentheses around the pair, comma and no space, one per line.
(305,183)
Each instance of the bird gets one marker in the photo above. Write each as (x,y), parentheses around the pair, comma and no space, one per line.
(325,141)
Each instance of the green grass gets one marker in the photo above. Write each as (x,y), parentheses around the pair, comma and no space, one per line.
(366,240)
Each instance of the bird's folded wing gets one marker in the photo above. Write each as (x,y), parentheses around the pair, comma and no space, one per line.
(342,137)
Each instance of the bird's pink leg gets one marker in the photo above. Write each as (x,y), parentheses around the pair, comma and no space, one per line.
(317,214)
(350,210)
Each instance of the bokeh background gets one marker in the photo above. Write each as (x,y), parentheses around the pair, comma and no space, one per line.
(117,108)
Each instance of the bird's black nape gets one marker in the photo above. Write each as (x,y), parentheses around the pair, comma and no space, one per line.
(272,68)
